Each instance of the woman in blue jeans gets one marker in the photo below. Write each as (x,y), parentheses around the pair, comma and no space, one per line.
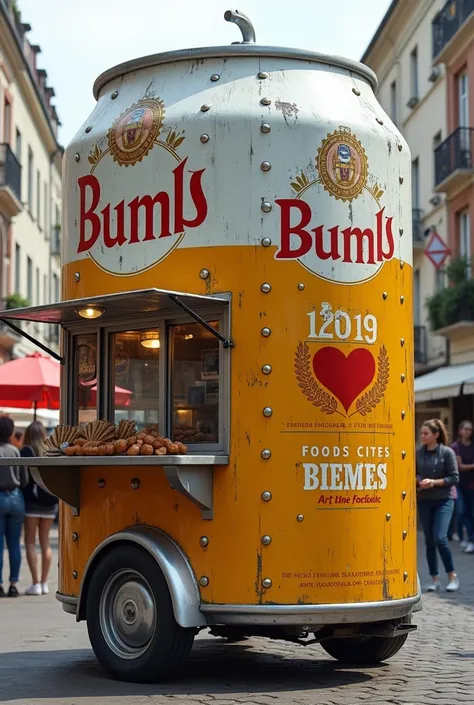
(436,473)
(12,506)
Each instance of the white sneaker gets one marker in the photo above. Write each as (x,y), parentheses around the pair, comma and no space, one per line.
(455,537)
(33,590)
(433,587)
(453,585)
(45,588)
(469,548)
(463,544)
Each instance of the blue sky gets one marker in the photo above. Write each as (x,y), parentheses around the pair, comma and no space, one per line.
(93,35)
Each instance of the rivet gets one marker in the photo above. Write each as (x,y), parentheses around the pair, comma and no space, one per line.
(402,342)
(266,288)
(404,454)
(266,206)
(405,576)
(262,74)
(265,166)
(266,369)
(204,273)
(266,332)
(265,127)
(385,295)
(75,574)
(402,264)
(75,536)
(266,242)
(380,122)
(215,77)
(266,454)
(400,147)
(114,95)
(401,231)
(204,138)
(267,583)
(404,494)
(77,156)
(101,483)
(402,377)
(388,517)
(205,108)
(135,483)
(268,411)
(404,535)
(400,178)
(266,101)
(300,517)
(356,91)
(77,276)
(88,128)
(301,286)
(203,581)
(403,414)
(266,496)
(402,299)
(204,541)
(266,540)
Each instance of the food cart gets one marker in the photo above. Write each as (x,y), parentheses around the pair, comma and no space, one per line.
(236,446)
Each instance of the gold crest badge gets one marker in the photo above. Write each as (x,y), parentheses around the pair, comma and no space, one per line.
(342,164)
(133,134)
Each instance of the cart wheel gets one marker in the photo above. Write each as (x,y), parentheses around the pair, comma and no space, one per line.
(364,650)
(130,618)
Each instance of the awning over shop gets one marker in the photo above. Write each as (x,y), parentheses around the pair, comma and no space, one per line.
(444,382)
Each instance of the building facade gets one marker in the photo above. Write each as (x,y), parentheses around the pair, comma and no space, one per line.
(414,93)
(30,184)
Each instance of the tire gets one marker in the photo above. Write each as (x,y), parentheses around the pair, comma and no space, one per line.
(364,650)
(128,585)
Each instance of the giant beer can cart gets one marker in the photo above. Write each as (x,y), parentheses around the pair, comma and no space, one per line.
(237,278)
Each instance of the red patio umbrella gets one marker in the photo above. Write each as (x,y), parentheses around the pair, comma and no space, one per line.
(30,381)
(33,381)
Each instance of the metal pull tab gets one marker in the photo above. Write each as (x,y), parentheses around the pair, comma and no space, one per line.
(244,24)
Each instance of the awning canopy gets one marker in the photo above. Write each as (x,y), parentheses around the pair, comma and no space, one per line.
(445,382)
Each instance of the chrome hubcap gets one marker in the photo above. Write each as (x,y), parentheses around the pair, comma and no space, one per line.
(127,614)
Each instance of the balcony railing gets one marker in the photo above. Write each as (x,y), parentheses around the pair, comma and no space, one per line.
(421,345)
(10,170)
(454,154)
(448,21)
(417,226)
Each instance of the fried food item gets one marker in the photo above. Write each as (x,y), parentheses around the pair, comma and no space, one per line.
(146,449)
(134,449)
(125,429)
(120,446)
(161,451)
(61,434)
(99,431)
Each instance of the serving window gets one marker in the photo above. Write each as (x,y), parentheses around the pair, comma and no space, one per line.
(168,373)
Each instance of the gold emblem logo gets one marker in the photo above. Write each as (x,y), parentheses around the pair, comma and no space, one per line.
(133,134)
(342,164)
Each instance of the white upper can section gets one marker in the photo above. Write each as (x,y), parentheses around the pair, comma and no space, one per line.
(231,145)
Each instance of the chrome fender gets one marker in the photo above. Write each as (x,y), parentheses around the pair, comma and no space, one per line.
(419,604)
(172,562)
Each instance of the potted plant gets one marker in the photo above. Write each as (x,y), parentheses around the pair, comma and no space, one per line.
(15,300)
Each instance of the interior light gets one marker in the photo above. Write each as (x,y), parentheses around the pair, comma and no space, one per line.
(150,339)
(188,336)
(90,312)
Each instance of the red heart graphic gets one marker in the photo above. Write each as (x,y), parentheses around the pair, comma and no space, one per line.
(345,377)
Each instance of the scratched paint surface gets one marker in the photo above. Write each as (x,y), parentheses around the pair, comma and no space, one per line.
(341,518)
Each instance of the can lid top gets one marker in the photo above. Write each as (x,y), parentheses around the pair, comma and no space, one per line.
(247,47)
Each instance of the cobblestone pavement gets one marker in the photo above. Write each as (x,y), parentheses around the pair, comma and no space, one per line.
(45,658)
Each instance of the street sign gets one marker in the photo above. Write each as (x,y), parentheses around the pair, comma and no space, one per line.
(437,251)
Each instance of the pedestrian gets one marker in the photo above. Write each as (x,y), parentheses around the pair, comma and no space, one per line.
(12,506)
(464,450)
(40,511)
(17,439)
(436,473)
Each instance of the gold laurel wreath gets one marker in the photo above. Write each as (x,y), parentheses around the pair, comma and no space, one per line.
(174,139)
(311,389)
(301,180)
(376,191)
(95,154)
(369,401)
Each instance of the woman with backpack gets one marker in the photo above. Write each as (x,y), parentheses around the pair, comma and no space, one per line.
(40,511)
